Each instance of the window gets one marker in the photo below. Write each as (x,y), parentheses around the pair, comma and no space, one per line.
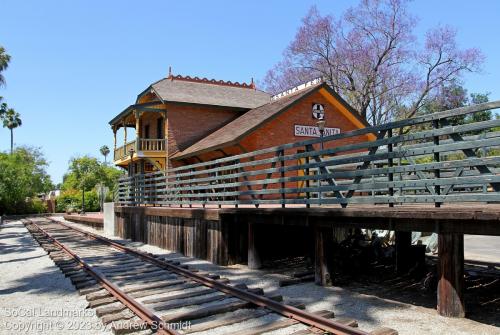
(159,128)
(146,131)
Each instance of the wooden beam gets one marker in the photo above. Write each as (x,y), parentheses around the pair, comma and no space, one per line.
(124,134)
(114,138)
(450,293)
(437,158)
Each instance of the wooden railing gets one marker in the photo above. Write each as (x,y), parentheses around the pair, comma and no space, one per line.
(151,144)
(143,144)
(124,151)
(426,159)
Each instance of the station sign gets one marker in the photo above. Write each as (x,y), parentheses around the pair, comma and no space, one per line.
(312,131)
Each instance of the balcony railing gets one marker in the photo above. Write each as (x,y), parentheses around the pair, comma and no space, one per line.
(124,150)
(144,144)
(147,144)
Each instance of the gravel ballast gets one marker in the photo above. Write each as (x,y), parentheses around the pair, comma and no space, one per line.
(371,312)
(28,278)
(35,297)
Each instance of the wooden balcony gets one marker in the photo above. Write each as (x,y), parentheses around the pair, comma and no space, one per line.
(145,146)
(124,150)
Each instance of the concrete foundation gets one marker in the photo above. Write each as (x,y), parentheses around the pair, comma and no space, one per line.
(109,217)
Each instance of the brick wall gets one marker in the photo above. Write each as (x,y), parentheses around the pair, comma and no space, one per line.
(188,124)
(281,129)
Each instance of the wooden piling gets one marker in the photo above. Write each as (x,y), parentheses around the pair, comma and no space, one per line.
(451,275)
(323,259)
(254,256)
(403,244)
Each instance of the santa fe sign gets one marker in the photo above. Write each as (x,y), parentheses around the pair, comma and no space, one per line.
(311,131)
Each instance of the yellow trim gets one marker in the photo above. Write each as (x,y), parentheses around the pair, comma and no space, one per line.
(345,112)
(151,155)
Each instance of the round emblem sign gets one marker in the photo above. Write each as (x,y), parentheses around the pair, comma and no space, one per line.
(318,111)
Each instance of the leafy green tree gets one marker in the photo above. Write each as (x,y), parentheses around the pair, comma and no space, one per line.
(84,174)
(479,98)
(71,200)
(87,172)
(455,96)
(105,152)
(23,176)
(4,63)
(111,175)
(11,119)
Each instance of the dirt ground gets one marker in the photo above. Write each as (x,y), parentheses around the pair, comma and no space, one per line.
(482,248)
(35,297)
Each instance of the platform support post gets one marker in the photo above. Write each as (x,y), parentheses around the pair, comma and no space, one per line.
(451,275)
(254,256)
(323,258)
(217,246)
(403,244)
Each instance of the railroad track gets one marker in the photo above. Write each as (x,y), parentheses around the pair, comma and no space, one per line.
(138,292)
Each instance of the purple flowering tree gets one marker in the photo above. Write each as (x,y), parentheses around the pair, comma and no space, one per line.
(371,57)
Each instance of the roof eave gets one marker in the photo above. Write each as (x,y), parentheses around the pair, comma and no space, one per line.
(130,108)
(347,106)
(176,156)
(235,108)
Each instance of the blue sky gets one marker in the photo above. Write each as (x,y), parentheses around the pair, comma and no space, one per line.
(76,64)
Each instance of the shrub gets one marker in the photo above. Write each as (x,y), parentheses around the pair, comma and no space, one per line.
(71,201)
(37,206)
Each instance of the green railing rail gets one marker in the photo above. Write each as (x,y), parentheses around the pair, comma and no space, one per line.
(425,159)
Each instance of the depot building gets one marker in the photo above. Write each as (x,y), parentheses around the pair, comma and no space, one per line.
(182,120)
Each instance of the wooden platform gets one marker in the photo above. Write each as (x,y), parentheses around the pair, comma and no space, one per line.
(242,235)
(467,219)
(91,219)
(473,219)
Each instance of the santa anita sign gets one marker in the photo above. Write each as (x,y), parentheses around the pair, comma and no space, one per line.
(311,131)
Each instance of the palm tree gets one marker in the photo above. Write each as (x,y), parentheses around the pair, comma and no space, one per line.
(105,152)
(11,120)
(4,63)
(3,108)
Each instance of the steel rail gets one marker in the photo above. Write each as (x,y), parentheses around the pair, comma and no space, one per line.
(140,310)
(286,310)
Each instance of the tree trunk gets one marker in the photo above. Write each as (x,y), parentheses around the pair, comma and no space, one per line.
(11,140)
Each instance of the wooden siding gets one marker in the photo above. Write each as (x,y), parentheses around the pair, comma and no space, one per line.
(191,236)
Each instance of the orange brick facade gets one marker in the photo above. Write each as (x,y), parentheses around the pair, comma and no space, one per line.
(280,130)
(189,123)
